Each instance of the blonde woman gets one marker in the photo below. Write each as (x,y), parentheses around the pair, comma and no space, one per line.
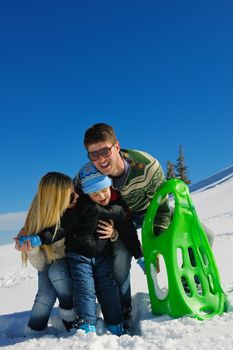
(55,194)
(55,197)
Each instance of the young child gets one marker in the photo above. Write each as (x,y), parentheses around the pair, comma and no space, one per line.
(89,255)
(92,183)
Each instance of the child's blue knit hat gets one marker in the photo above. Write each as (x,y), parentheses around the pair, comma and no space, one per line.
(92,180)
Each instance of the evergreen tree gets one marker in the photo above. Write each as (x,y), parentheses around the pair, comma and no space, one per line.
(181,168)
(170,170)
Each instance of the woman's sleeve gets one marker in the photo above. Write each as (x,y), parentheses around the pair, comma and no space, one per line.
(48,236)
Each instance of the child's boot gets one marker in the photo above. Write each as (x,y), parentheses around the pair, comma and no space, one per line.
(88,328)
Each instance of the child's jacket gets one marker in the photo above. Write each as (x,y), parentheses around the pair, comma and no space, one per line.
(79,226)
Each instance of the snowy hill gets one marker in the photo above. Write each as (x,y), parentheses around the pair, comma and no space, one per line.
(214,205)
(213,180)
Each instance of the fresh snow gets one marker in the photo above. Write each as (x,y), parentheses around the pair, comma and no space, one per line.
(18,286)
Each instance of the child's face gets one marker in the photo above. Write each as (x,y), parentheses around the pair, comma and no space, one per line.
(101,197)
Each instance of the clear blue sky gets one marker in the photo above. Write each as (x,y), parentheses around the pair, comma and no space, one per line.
(160,72)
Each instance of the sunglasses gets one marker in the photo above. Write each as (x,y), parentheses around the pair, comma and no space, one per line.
(72,197)
(103,152)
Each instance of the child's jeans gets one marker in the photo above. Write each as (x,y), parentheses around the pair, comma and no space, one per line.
(53,282)
(93,277)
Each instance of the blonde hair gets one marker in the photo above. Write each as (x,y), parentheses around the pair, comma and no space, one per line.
(48,205)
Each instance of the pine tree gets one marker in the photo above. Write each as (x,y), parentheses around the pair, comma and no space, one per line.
(170,170)
(181,168)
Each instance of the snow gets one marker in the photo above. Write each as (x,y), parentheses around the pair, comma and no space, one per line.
(213,180)
(18,285)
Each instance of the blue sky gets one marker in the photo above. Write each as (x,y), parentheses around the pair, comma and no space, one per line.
(160,72)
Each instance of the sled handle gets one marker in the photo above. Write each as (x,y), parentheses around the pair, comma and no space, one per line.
(180,192)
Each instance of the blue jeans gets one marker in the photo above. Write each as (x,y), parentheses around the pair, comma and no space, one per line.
(121,274)
(53,282)
(93,277)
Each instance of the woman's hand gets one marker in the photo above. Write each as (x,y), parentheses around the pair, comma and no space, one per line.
(106,229)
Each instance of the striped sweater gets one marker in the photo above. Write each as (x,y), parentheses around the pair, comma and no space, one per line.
(143,175)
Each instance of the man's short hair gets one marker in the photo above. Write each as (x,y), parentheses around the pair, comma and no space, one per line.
(99,133)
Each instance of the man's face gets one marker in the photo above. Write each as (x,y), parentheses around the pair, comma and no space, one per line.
(105,156)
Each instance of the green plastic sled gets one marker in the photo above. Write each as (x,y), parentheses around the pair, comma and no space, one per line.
(193,283)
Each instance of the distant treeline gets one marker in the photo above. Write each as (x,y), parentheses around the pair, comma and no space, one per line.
(178,169)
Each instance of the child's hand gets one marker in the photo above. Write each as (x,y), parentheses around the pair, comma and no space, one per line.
(106,229)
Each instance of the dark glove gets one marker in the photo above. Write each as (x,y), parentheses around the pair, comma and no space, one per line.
(158,230)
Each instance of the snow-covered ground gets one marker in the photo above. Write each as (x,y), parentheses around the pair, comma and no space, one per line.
(214,205)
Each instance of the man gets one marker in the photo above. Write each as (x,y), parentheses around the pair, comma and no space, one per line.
(137,176)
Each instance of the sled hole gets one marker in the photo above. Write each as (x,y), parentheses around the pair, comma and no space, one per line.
(179,254)
(211,284)
(192,257)
(206,311)
(204,257)
(198,285)
(186,286)
(160,279)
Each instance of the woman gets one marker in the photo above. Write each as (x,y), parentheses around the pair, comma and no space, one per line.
(55,195)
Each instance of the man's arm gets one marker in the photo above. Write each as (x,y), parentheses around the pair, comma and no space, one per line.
(163,215)
(129,236)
